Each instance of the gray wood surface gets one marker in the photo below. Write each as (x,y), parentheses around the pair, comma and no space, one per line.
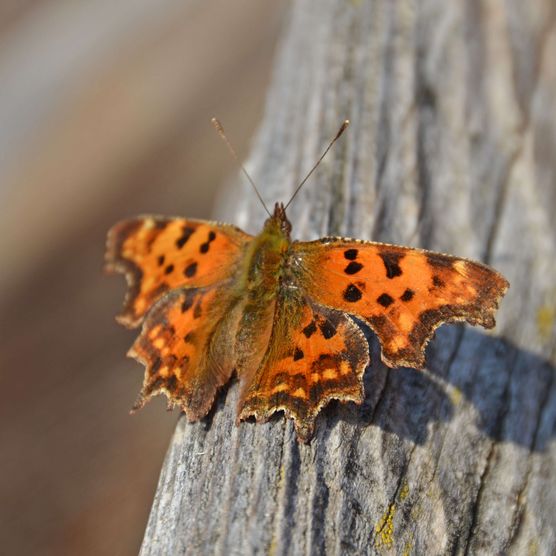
(452,148)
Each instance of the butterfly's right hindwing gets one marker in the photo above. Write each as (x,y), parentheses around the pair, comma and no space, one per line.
(315,354)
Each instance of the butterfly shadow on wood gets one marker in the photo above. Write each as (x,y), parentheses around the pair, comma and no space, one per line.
(495,388)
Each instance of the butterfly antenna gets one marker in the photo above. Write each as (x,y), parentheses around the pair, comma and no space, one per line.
(343,127)
(218,126)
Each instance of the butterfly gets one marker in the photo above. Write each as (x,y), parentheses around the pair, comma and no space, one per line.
(281,314)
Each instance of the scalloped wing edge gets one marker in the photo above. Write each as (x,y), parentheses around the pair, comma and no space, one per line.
(305,427)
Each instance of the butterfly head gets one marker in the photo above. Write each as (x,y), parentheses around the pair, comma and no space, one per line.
(279,222)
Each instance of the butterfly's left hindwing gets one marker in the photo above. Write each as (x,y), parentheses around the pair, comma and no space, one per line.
(402,293)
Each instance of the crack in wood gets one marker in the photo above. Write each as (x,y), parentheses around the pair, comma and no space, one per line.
(476,504)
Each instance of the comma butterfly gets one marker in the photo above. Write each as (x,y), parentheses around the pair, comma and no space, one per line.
(212,300)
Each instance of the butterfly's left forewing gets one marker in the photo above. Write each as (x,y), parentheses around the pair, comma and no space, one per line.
(159,254)
(402,293)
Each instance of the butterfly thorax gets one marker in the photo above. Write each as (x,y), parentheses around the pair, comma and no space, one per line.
(266,257)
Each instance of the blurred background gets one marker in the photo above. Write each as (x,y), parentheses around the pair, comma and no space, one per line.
(105,113)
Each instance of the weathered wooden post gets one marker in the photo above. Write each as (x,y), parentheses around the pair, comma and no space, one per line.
(450,148)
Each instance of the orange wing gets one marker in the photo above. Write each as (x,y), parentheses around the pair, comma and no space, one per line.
(159,254)
(187,346)
(404,294)
(315,354)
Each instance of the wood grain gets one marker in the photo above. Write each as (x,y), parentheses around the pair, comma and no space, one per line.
(450,148)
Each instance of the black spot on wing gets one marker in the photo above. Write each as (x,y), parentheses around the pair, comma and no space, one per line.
(352,293)
(310,329)
(187,303)
(184,238)
(190,270)
(385,300)
(407,295)
(391,262)
(351,254)
(328,329)
(161,260)
(353,267)
(298,354)
(204,248)
(169,269)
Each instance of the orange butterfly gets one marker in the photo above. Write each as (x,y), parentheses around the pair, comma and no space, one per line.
(212,300)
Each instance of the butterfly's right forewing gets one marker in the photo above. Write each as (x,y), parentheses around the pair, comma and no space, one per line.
(402,293)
